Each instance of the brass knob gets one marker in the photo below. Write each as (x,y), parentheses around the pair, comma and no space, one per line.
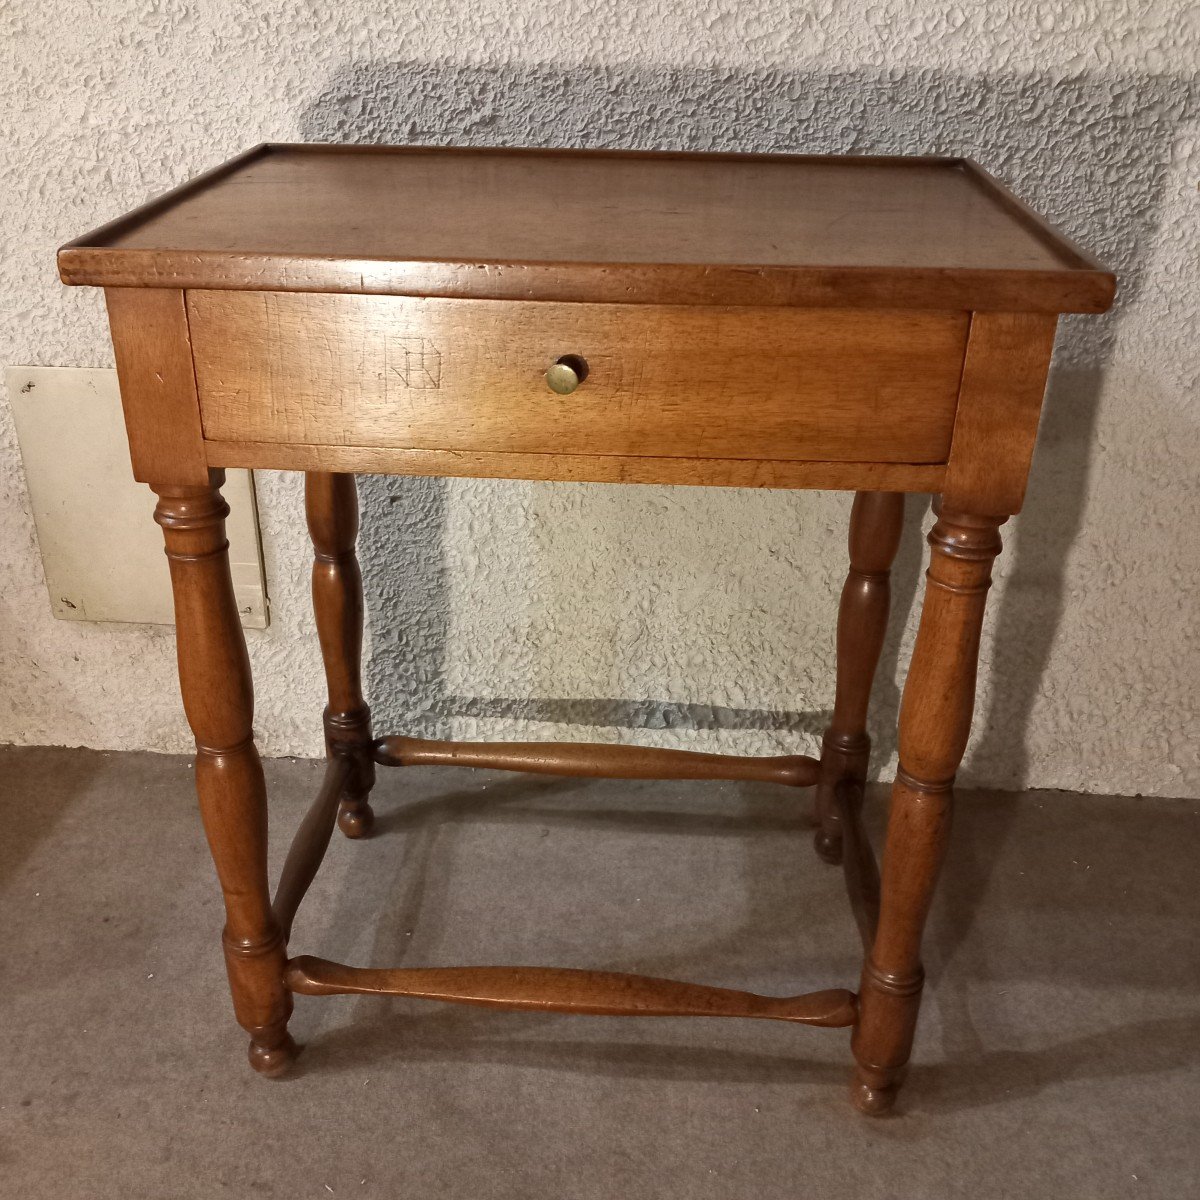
(566,374)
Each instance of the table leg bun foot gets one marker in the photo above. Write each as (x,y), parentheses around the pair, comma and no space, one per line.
(273,1058)
(356,818)
(828,846)
(872,1096)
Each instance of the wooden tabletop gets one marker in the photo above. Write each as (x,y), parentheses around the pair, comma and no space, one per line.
(598,226)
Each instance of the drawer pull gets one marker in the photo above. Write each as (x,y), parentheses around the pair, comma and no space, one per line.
(566,374)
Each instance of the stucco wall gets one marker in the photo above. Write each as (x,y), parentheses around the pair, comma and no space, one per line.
(699,618)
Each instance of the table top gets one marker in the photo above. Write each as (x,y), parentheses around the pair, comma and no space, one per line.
(599,226)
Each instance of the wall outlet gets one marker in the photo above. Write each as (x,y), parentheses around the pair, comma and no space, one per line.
(101,550)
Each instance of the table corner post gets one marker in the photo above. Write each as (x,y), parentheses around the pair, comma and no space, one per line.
(331,507)
(218,698)
(935,722)
(876,522)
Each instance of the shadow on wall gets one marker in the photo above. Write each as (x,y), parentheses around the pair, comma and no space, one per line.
(1090,151)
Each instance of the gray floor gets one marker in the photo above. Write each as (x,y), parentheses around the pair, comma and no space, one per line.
(1057,1056)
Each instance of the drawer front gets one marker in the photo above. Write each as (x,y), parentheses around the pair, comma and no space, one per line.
(677,382)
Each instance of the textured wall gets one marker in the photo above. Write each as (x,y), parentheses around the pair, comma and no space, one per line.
(705,618)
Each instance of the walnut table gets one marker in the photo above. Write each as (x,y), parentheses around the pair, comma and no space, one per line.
(879,325)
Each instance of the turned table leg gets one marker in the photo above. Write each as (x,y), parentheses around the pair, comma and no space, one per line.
(935,720)
(331,503)
(218,697)
(875,524)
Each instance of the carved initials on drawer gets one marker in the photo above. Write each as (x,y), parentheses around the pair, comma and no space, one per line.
(416,362)
(678,382)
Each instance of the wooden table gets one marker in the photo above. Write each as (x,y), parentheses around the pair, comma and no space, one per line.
(872,324)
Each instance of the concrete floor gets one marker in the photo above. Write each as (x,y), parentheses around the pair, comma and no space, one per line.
(1058,1053)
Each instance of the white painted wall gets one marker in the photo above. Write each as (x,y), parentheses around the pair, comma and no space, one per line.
(703,618)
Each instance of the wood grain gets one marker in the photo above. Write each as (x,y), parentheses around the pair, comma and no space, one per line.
(860,869)
(309,844)
(331,507)
(935,721)
(158,390)
(551,989)
(598,226)
(880,325)
(582,468)
(675,382)
(595,760)
(876,519)
(218,697)
(1004,380)
(1032,220)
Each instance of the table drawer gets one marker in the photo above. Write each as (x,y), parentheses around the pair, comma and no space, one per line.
(678,382)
